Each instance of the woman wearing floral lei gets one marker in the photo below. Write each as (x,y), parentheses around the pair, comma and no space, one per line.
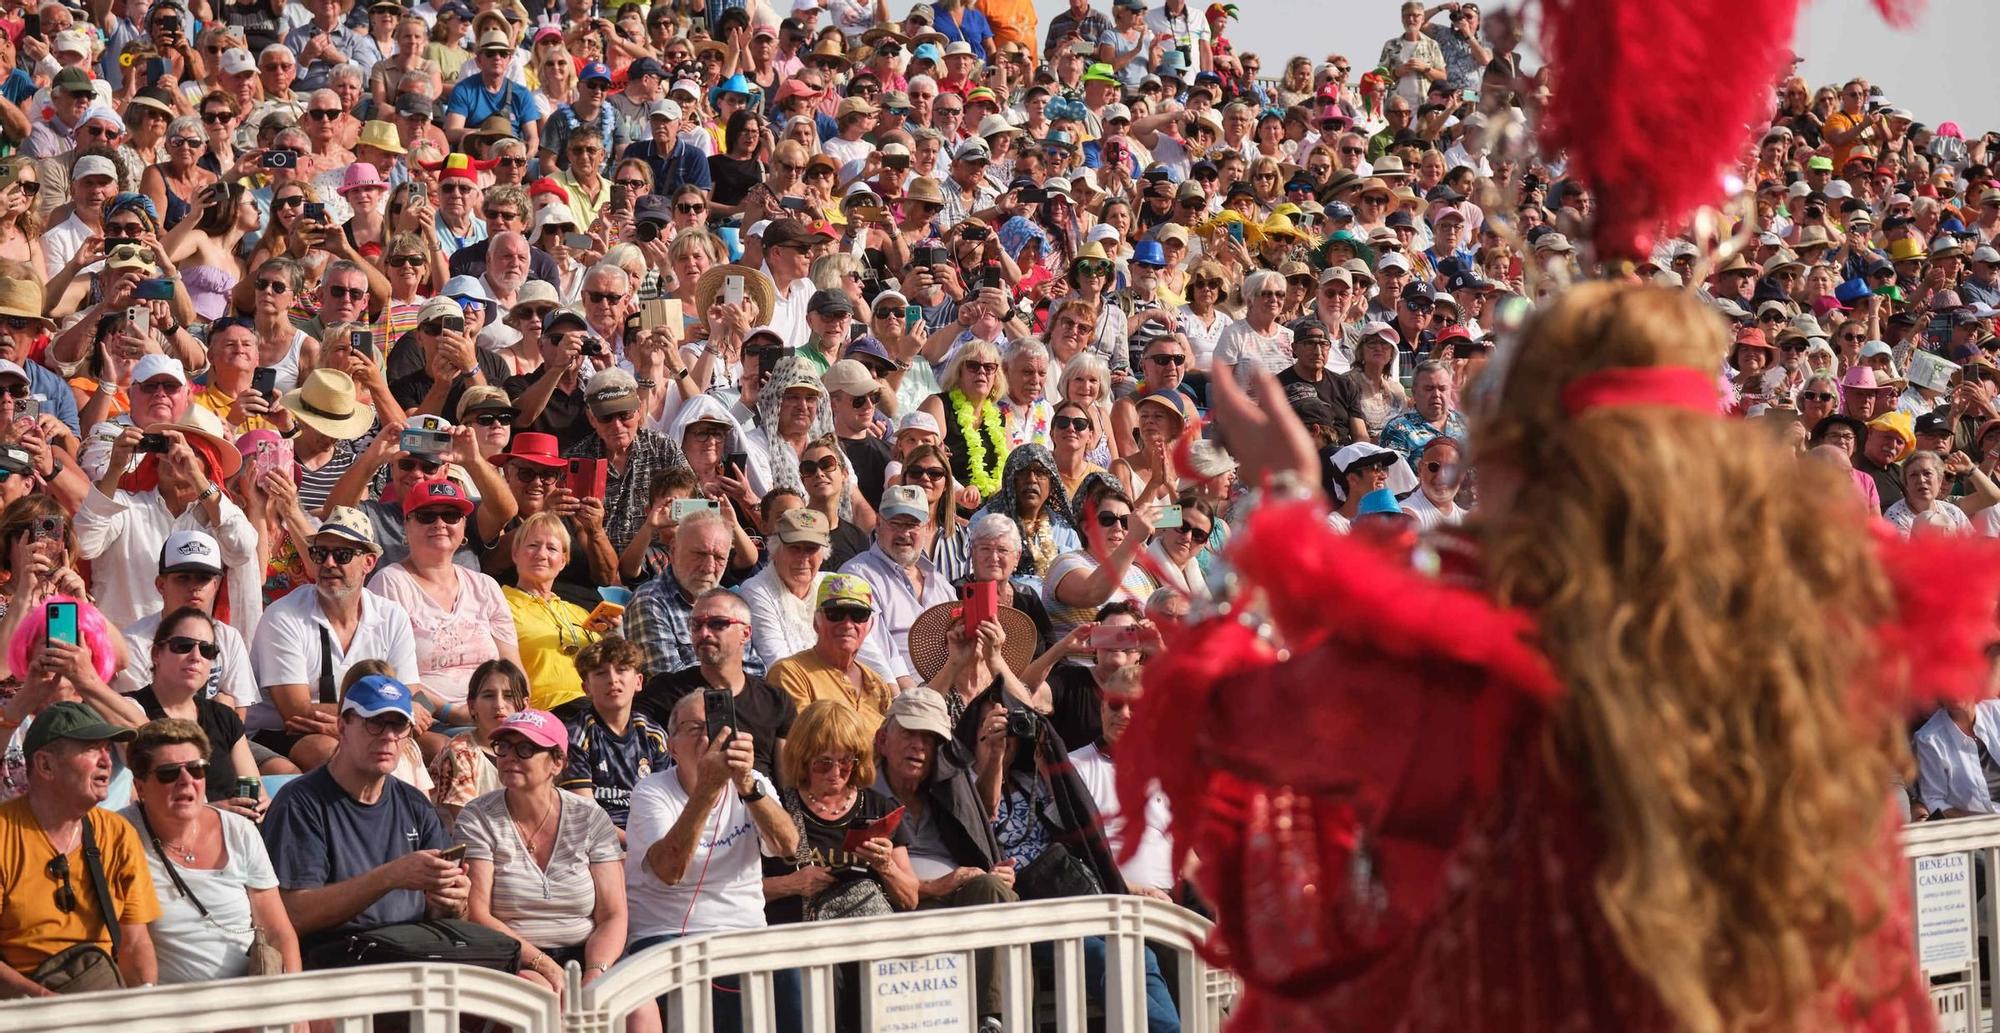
(969,412)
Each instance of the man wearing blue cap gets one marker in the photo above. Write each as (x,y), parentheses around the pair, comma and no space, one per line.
(355,848)
(645,82)
(588,110)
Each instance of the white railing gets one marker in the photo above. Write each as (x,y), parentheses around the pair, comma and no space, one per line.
(436,996)
(678,973)
(1945,858)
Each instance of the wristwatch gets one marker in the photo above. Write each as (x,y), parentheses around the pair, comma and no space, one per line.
(756,792)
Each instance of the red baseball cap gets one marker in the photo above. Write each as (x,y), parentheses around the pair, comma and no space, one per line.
(531,447)
(440,492)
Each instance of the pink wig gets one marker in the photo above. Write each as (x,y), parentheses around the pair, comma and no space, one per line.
(34,629)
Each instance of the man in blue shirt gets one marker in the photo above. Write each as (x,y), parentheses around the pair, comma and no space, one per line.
(354,847)
(325,43)
(480,97)
(674,161)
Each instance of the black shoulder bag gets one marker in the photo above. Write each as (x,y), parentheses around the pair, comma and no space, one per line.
(85,967)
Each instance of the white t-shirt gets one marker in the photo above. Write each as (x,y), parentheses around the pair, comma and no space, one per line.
(723,887)
(1942,516)
(1240,343)
(1153,865)
(193,949)
(286,649)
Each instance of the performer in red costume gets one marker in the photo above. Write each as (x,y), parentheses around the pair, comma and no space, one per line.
(1621,759)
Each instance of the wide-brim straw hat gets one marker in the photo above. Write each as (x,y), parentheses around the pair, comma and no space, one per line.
(327,402)
(929,647)
(757,289)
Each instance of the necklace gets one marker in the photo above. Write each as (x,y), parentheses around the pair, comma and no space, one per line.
(823,805)
(984,478)
(186,855)
(530,838)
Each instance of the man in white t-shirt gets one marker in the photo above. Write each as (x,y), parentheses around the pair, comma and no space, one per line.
(1150,871)
(190,574)
(696,838)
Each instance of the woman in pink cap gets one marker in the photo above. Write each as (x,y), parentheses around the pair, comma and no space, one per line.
(364,188)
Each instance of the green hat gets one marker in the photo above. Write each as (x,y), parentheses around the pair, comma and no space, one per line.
(76,80)
(1100,72)
(71,720)
(844,590)
(1820,162)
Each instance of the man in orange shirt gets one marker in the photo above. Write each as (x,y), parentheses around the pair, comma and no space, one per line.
(49,883)
(1850,127)
(1013,21)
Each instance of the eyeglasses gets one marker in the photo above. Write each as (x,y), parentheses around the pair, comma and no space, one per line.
(1093,268)
(101,132)
(164,386)
(437,513)
(58,872)
(1195,534)
(517,750)
(387,726)
(1173,359)
(826,466)
(341,555)
(822,765)
(715,625)
(1856,338)
(346,293)
(846,614)
(501,215)
(181,645)
(1120,520)
(168,774)
(1271,295)
(184,141)
(982,368)
(456,188)
(1817,396)
(408,463)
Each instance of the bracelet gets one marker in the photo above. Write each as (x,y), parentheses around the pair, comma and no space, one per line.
(208,493)
(646,383)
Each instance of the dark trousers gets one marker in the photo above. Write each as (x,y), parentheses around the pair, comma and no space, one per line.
(986,889)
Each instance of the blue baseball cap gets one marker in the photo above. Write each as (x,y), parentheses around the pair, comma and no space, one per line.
(868,345)
(927,52)
(643,66)
(377,694)
(1339,210)
(595,70)
(1852,291)
(1380,502)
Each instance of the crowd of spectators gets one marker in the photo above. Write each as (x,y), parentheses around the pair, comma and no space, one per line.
(608,476)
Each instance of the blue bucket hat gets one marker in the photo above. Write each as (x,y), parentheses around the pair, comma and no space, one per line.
(1148,252)
(1380,502)
(1852,291)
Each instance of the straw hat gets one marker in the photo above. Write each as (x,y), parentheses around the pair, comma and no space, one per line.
(22,299)
(929,647)
(326,402)
(381,136)
(757,289)
(200,423)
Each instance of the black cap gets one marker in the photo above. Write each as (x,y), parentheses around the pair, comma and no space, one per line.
(1399,221)
(830,303)
(653,208)
(1932,423)
(1417,290)
(71,719)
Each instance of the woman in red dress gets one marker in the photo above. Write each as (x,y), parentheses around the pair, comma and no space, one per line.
(1616,756)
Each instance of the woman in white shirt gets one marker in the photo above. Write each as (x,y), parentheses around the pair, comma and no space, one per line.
(1924,482)
(210,870)
(1955,752)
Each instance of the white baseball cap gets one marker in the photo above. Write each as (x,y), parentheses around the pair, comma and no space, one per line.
(155,365)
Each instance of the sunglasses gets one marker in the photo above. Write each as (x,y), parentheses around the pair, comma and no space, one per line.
(29,187)
(181,645)
(714,625)
(982,367)
(184,141)
(630,184)
(925,473)
(1794,346)
(1175,359)
(168,774)
(1077,424)
(1093,268)
(1817,396)
(437,513)
(324,114)
(1119,520)
(408,463)
(408,261)
(341,555)
(826,465)
(690,209)
(58,871)
(846,614)
(291,201)
(602,297)
(346,293)
(455,188)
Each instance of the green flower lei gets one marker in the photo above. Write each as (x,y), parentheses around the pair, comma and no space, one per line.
(985,481)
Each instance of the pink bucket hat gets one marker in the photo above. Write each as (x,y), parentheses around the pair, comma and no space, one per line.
(359,175)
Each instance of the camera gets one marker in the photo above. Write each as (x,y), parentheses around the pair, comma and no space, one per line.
(1021,722)
(592,347)
(646,232)
(930,255)
(280,158)
(156,443)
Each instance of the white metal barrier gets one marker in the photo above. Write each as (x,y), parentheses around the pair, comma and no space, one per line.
(436,996)
(941,942)
(1945,857)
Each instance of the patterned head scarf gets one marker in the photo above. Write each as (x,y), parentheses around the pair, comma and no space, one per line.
(791,372)
(1030,456)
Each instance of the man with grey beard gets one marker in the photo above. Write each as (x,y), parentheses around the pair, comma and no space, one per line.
(507,264)
(308,639)
(899,570)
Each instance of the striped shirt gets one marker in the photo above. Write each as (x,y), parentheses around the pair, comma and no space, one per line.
(549,907)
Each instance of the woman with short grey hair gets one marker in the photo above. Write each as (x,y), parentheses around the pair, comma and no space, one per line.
(996,556)
(175,185)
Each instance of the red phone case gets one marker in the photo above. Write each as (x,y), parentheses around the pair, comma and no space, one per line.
(881,828)
(588,483)
(981,601)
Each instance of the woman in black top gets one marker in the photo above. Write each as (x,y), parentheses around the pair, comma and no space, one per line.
(739,167)
(184,658)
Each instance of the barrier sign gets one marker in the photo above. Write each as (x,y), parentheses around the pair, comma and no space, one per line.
(1945,940)
(931,993)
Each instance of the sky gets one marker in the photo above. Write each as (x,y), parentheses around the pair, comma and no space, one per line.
(1839,39)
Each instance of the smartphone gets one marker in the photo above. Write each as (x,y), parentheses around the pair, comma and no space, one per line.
(362,343)
(62,623)
(975,233)
(990,277)
(265,381)
(1170,516)
(454,854)
(47,528)
(156,69)
(1236,232)
(684,508)
(157,289)
(418,441)
(661,312)
(721,707)
(604,618)
(621,195)
(883,827)
(579,241)
(31,24)
(634,325)
(912,315)
(155,443)
(981,601)
(315,211)
(246,788)
(586,478)
(139,319)
(273,455)
(28,411)
(1114,636)
(740,461)
(732,290)
(793,204)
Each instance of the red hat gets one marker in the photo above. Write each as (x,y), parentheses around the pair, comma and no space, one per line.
(460,166)
(440,492)
(549,187)
(531,447)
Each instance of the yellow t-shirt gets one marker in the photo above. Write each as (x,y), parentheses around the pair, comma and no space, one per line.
(1841,121)
(219,402)
(551,632)
(32,928)
(807,679)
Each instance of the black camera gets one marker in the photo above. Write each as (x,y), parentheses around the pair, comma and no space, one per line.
(646,232)
(280,158)
(930,255)
(1021,722)
(156,443)
(593,347)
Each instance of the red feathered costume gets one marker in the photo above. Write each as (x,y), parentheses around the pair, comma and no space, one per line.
(1376,817)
